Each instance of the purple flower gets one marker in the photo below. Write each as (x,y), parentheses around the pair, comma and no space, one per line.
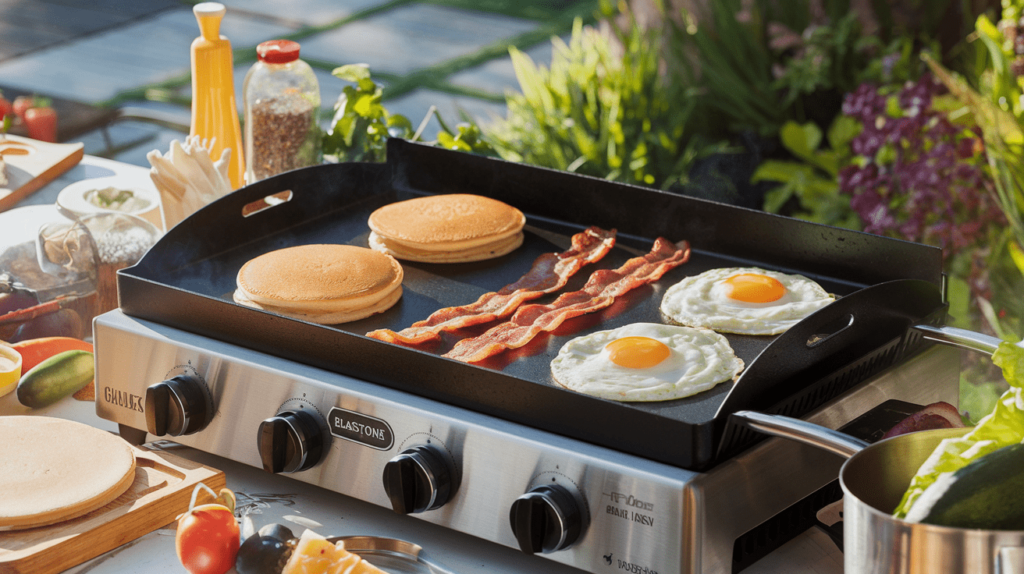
(929,184)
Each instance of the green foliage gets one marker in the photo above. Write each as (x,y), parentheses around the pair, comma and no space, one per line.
(1001,126)
(468,138)
(361,124)
(599,110)
(761,63)
(813,180)
(830,57)
(1002,427)
(731,61)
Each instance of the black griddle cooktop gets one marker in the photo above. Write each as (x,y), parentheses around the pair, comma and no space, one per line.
(885,285)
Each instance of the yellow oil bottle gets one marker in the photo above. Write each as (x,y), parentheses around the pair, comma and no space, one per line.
(214,111)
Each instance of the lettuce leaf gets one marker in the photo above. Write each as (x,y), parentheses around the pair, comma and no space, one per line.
(1003,427)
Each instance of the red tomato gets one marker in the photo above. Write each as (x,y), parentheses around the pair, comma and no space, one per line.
(5,106)
(21,104)
(207,539)
(41,124)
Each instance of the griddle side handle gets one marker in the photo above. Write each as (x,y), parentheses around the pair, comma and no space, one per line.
(801,431)
(960,338)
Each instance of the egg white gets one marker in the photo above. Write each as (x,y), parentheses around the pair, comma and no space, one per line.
(700,301)
(698,360)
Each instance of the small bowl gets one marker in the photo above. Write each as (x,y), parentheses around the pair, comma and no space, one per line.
(10,369)
(76,197)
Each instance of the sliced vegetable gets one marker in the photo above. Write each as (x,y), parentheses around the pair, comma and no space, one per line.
(55,378)
(35,351)
(1003,427)
(986,494)
(940,415)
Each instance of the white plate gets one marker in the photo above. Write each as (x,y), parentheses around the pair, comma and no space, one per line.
(73,199)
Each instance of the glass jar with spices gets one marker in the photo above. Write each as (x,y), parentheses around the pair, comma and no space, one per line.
(282,112)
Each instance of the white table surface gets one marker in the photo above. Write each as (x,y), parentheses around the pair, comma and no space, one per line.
(269,498)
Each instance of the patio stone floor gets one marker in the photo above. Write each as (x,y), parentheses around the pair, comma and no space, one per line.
(452,54)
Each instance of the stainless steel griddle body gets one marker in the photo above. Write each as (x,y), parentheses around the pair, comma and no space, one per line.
(667,487)
(641,515)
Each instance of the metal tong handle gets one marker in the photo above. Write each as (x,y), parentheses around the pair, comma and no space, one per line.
(801,431)
(960,338)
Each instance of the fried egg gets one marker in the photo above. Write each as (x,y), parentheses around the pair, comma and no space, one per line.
(743,300)
(645,362)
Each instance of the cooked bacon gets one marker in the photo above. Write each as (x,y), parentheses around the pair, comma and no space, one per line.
(549,273)
(600,291)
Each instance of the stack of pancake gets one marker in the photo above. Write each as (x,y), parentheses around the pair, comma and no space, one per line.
(326,284)
(331,284)
(456,228)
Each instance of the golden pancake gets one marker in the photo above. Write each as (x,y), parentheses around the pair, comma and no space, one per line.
(328,317)
(487,251)
(55,470)
(321,283)
(458,227)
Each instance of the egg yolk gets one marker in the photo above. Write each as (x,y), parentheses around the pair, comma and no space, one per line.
(754,288)
(637,352)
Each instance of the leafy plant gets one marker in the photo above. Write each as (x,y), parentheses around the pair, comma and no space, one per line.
(1004,149)
(723,49)
(361,124)
(918,176)
(600,110)
(824,57)
(467,136)
(812,182)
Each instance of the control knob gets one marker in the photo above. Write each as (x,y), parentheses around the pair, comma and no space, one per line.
(546,519)
(420,478)
(291,441)
(178,406)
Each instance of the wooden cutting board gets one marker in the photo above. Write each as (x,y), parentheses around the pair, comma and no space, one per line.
(31,164)
(161,491)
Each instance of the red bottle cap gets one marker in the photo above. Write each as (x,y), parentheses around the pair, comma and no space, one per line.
(278,51)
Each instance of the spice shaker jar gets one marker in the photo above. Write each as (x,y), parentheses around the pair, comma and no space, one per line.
(282,112)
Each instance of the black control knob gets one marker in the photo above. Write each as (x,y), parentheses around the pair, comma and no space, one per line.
(291,441)
(546,519)
(178,406)
(419,479)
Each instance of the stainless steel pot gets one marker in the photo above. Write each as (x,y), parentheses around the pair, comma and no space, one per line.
(873,480)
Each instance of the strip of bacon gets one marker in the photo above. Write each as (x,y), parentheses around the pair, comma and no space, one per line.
(549,273)
(600,291)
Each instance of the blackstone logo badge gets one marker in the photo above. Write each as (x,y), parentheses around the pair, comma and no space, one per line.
(360,428)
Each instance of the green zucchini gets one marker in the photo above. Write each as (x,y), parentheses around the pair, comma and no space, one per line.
(986,494)
(59,376)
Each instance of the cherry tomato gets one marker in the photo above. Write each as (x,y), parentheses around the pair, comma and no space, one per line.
(41,123)
(207,540)
(5,106)
(21,104)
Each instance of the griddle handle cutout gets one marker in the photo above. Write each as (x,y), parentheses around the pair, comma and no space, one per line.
(272,200)
(830,330)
